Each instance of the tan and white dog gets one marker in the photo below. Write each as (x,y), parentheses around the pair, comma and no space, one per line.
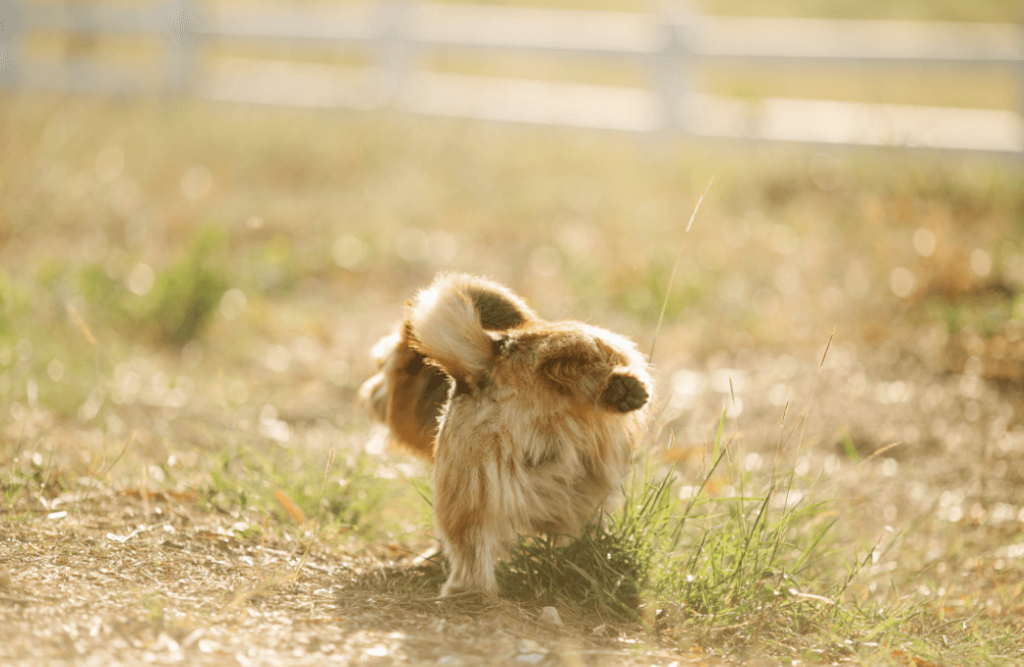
(537,428)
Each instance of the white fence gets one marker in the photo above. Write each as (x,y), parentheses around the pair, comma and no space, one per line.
(672,48)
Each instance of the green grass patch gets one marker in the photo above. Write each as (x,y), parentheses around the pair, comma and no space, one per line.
(751,567)
(173,303)
(282,482)
(606,570)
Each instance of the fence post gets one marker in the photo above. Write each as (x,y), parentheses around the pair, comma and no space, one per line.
(10,43)
(179,26)
(673,71)
(395,49)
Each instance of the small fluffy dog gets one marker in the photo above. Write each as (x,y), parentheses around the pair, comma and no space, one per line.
(536,430)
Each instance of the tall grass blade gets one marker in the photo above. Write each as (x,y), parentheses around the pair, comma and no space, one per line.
(675,266)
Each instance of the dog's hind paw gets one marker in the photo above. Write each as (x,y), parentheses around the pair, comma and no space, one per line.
(625,392)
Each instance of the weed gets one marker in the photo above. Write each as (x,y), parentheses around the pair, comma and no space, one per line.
(186,293)
(173,304)
(258,479)
(603,572)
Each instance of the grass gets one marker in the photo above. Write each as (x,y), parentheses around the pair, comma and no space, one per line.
(759,575)
(217,384)
(737,569)
(751,570)
(173,304)
(605,571)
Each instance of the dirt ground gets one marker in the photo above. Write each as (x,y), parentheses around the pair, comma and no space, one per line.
(179,588)
(131,579)
(118,576)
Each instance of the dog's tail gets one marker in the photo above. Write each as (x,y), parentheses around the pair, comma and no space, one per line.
(450,320)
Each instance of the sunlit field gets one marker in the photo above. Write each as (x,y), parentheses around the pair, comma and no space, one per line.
(189,293)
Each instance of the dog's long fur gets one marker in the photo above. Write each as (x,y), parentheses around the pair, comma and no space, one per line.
(407,393)
(538,428)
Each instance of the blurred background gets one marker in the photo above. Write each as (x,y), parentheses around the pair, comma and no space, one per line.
(209,211)
(910,74)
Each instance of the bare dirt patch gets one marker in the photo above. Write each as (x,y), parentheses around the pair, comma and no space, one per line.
(119,581)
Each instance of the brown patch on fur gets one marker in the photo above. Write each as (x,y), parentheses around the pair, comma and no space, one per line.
(407,393)
(499,310)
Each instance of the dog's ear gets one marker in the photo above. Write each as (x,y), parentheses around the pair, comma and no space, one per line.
(564,372)
(575,365)
(586,377)
(589,368)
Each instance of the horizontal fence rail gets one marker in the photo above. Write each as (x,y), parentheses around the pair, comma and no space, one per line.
(672,47)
